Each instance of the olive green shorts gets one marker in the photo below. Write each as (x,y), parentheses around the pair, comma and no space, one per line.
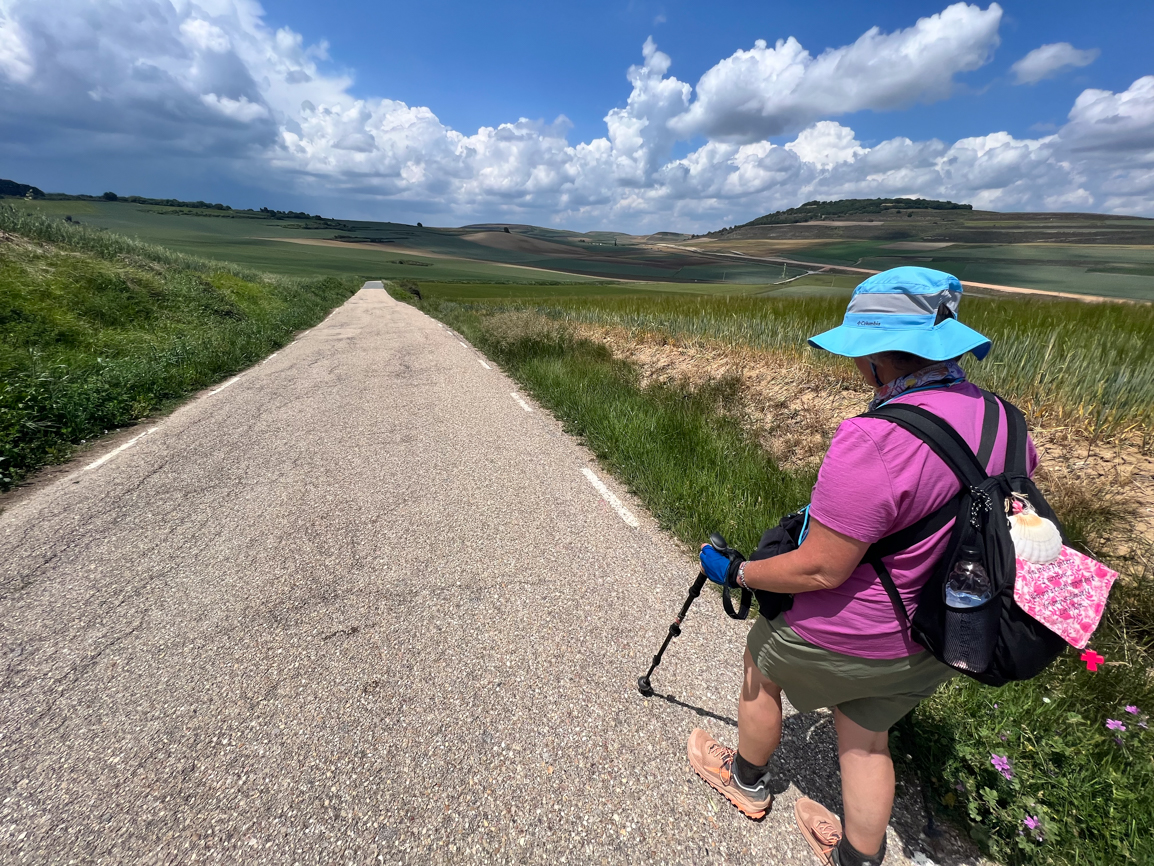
(875,693)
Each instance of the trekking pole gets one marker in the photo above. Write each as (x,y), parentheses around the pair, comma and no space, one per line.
(643,684)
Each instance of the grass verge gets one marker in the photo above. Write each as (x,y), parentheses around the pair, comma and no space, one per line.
(98,331)
(1079,781)
(1068,363)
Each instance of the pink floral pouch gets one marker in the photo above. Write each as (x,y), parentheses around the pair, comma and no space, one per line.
(1067,595)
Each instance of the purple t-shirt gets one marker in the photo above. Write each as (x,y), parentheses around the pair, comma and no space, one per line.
(876,479)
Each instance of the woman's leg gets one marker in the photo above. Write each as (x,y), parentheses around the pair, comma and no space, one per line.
(758,716)
(867,783)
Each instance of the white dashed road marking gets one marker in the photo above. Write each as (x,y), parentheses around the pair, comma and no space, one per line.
(522,403)
(622,512)
(116,451)
(462,342)
(225,385)
(270,357)
(483,364)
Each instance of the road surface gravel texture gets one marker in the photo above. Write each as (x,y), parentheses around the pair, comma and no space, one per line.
(359,606)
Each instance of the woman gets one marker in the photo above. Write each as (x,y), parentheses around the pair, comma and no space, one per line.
(842,645)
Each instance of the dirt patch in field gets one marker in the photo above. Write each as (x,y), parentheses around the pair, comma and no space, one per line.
(794,407)
(524,244)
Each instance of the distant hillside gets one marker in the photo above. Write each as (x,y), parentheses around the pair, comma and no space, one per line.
(819,210)
(11,187)
(23,190)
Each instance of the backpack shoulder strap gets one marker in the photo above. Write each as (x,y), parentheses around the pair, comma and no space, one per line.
(1016,439)
(989,428)
(919,530)
(891,589)
(942,439)
(937,520)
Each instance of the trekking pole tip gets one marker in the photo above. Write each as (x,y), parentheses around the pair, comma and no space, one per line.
(644,686)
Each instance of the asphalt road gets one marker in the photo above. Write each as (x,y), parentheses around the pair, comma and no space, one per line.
(358,605)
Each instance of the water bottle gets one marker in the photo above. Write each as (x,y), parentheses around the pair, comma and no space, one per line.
(970,633)
(968,584)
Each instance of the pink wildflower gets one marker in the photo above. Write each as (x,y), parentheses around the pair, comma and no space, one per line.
(1115,725)
(1132,710)
(1002,765)
(1032,822)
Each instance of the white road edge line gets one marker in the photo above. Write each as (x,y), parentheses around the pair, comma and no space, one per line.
(116,451)
(462,343)
(225,385)
(606,494)
(483,364)
(524,405)
(270,357)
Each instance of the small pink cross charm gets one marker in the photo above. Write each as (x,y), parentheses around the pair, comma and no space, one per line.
(1092,660)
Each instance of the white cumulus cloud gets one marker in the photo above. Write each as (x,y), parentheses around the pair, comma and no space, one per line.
(209,83)
(1048,60)
(825,144)
(769,91)
(15,59)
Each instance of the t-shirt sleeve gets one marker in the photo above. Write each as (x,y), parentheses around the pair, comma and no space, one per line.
(853,494)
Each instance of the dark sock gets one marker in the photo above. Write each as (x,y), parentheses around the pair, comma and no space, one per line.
(748,774)
(846,854)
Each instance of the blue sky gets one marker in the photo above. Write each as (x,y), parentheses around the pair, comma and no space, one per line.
(497,61)
(410,110)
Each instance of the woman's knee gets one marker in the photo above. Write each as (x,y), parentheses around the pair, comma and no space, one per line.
(853,737)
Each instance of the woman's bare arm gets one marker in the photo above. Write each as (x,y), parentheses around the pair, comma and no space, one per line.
(825,560)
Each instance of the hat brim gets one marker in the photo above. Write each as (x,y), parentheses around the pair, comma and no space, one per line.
(949,339)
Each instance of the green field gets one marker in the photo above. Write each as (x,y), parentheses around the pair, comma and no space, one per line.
(1077,253)
(384,250)
(1108,270)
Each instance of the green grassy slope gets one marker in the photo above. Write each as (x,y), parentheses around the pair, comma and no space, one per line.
(394,251)
(98,332)
(1081,253)
(1078,253)
(254,243)
(1110,270)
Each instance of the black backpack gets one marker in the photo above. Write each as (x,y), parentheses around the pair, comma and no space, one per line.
(998,641)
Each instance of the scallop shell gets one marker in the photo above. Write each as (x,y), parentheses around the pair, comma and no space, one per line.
(1036,539)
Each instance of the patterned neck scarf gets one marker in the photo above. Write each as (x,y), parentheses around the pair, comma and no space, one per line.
(939,375)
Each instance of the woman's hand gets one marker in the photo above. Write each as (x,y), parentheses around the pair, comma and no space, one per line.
(719,567)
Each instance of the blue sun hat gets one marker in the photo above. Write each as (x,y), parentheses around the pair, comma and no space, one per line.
(906,309)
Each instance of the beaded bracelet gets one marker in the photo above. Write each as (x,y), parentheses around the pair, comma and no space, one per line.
(741,576)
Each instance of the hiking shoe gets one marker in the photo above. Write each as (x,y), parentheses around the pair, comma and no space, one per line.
(714,763)
(820,827)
